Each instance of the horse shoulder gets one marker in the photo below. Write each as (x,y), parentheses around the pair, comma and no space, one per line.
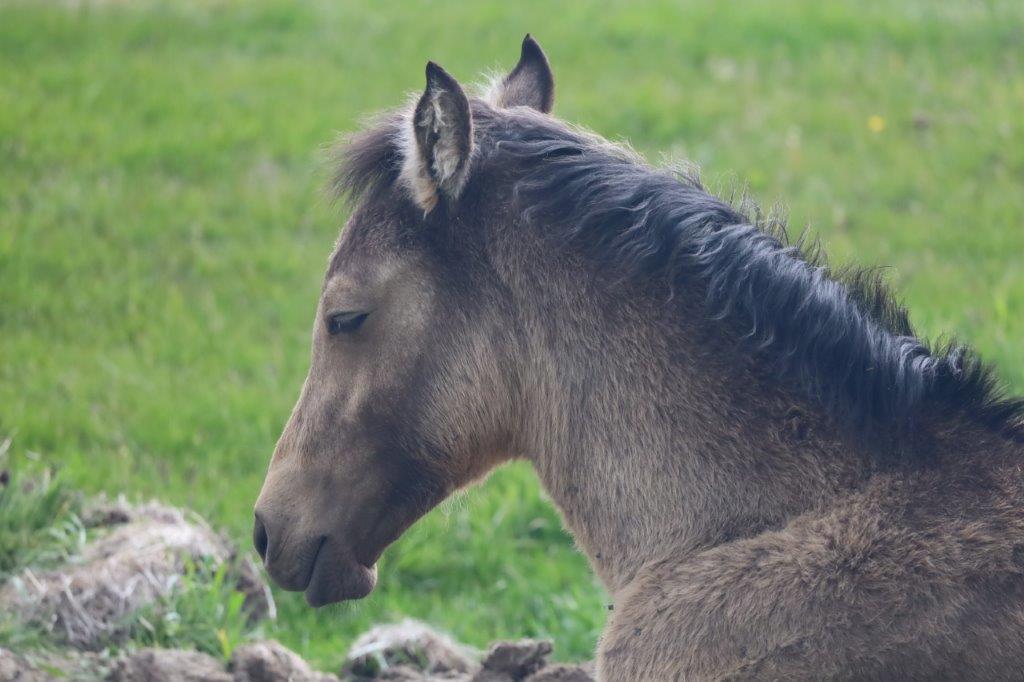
(896,580)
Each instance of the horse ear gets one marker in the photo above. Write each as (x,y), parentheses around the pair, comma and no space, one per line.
(437,161)
(531,83)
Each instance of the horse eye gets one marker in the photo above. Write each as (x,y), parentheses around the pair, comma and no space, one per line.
(345,323)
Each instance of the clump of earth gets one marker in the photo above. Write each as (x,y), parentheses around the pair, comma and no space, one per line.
(136,556)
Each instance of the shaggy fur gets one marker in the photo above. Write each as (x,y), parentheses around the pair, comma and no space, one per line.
(841,336)
(772,475)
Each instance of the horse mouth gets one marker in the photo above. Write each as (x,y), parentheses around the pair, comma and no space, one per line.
(343,571)
(336,578)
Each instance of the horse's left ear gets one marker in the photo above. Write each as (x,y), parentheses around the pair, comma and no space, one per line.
(531,83)
(437,160)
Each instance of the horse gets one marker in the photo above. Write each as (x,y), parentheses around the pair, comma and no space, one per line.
(771,473)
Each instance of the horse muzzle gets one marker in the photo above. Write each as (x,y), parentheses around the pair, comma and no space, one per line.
(319,565)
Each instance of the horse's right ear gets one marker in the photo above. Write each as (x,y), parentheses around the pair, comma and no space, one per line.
(437,156)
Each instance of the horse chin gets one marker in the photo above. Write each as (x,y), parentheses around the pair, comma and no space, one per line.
(339,580)
(341,574)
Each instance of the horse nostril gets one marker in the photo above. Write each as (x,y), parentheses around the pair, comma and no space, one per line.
(260,538)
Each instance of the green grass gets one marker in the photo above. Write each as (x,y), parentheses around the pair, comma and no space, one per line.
(203,612)
(162,234)
(39,522)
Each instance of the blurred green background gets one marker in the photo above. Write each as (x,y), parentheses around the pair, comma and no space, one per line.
(163,232)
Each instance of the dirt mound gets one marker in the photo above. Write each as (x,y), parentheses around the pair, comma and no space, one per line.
(141,555)
(412,652)
(266,661)
(269,661)
(169,665)
(406,652)
(407,645)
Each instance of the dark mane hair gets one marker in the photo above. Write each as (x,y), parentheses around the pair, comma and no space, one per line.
(839,335)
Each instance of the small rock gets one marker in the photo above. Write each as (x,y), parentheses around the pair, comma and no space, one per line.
(270,661)
(513,661)
(169,665)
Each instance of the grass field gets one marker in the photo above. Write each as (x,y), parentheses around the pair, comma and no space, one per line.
(163,234)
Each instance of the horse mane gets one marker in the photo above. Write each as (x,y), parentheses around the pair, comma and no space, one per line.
(839,335)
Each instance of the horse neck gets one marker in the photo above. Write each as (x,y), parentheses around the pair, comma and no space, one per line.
(652,439)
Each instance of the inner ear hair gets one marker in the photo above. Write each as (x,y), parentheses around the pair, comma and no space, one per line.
(437,163)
